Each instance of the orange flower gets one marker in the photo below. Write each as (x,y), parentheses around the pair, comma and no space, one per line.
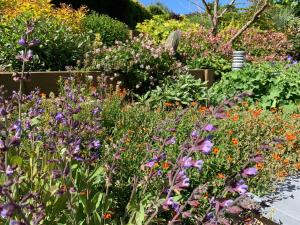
(282,174)
(216,150)
(235,141)
(229,158)
(156,164)
(193,103)
(296,116)
(206,195)
(107,216)
(276,156)
(259,166)
(235,118)
(256,113)
(279,146)
(220,176)
(286,161)
(290,137)
(228,114)
(168,104)
(230,132)
(298,166)
(166,165)
(245,104)
(202,109)
(273,110)
(43,95)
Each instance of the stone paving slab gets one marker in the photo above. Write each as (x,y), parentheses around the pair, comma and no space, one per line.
(284,205)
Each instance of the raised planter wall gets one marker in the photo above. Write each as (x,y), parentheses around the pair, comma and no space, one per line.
(48,81)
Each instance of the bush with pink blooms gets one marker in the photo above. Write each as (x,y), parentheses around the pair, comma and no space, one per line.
(138,64)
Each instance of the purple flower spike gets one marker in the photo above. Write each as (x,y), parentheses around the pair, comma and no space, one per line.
(289,58)
(186,162)
(22,42)
(171,141)
(203,146)
(209,127)
(249,172)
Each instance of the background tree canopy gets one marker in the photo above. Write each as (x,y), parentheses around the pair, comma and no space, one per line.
(130,12)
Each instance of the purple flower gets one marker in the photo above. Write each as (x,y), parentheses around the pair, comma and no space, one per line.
(209,127)
(14,222)
(22,42)
(241,187)
(3,112)
(249,172)
(204,146)
(195,134)
(295,62)
(79,158)
(227,203)
(186,162)
(9,170)
(7,210)
(35,42)
(198,164)
(2,146)
(94,144)
(289,58)
(59,117)
(171,141)
(181,181)
(150,164)
(257,158)
(167,203)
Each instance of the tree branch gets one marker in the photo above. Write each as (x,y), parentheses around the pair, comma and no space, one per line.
(198,6)
(252,20)
(226,8)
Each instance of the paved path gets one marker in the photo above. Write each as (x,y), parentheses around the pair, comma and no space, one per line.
(284,204)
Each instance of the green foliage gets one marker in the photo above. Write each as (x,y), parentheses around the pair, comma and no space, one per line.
(110,30)
(61,46)
(215,62)
(271,84)
(183,90)
(159,27)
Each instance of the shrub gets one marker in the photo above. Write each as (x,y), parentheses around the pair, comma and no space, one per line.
(138,64)
(110,30)
(160,26)
(61,46)
(59,29)
(184,90)
(270,84)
